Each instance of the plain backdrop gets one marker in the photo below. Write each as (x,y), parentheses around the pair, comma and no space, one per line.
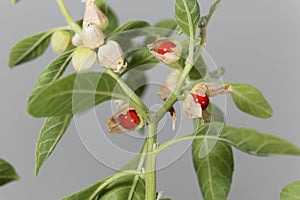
(258,42)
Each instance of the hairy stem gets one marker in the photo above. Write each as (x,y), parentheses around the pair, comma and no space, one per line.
(150,165)
(68,17)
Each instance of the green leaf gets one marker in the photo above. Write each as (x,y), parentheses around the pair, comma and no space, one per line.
(250,100)
(168,24)
(52,131)
(120,189)
(101,4)
(291,192)
(75,93)
(162,29)
(52,72)
(86,193)
(215,170)
(130,26)
(7,173)
(117,190)
(142,58)
(212,9)
(15,1)
(113,21)
(132,164)
(199,69)
(178,30)
(54,127)
(137,81)
(216,112)
(253,142)
(29,48)
(187,14)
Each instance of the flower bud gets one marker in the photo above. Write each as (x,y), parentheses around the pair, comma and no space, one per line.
(94,15)
(166,50)
(83,59)
(111,56)
(77,40)
(125,120)
(60,41)
(92,36)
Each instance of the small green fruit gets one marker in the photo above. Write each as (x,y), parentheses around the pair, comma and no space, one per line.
(83,59)
(61,41)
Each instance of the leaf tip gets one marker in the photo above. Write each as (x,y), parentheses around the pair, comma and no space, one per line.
(14,1)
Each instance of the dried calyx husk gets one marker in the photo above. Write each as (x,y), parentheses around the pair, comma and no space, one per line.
(166,50)
(167,89)
(125,120)
(111,56)
(170,83)
(197,100)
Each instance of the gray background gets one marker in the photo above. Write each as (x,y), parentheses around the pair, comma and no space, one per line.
(256,41)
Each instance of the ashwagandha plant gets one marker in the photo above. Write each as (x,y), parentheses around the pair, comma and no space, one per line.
(178,44)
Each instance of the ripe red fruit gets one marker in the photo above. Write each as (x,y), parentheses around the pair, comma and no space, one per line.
(203,101)
(166,47)
(130,120)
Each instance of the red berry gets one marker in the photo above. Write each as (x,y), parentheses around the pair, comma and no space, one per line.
(166,47)
(203,101)
(130,120)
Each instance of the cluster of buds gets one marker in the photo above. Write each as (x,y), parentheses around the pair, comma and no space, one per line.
(110,54)
(126,119)
(197,100)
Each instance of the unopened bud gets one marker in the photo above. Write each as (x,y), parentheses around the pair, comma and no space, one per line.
(93,15)
(83,59)
(92,36)
(77,40)
(60,41)
(111,56)
(166,50)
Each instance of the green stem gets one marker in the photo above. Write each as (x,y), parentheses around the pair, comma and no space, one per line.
(68,17)
(173,98)
(150,166)
(60,28)
(140,107)
(112,179)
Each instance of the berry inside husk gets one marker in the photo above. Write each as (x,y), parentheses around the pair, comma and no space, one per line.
(166,47)
(203,101)
(130,120)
